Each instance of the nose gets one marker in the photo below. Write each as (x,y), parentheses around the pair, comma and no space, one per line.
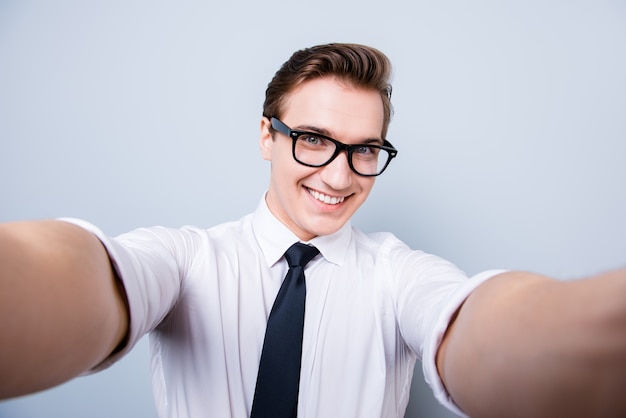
(338,174)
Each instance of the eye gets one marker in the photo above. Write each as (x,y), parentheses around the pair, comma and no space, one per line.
(312,140)
(364,150)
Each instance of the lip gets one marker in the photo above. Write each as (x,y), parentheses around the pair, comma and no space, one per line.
(329,201)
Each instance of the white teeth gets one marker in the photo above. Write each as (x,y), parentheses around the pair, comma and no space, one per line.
(329,200)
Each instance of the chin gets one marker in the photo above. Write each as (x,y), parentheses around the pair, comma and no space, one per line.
(326,229)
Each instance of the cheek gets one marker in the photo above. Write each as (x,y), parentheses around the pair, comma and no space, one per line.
(366,185)
(283,163)
(287,178)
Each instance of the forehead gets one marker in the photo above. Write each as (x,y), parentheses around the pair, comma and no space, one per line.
(342,110)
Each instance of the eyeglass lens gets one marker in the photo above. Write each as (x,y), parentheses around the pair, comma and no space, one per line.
(314,150)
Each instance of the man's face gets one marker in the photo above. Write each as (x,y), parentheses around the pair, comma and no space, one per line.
(296,193)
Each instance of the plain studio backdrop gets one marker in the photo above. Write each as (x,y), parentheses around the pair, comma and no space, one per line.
(510,124)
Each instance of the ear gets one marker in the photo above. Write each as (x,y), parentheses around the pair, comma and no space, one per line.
(266,141)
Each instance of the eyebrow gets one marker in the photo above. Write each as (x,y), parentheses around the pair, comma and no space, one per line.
(322,131)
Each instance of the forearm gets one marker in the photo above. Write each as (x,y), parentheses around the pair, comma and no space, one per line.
(61,310)
(525,345)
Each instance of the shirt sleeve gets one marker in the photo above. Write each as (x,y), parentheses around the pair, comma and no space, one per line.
(151,268)
(428,291)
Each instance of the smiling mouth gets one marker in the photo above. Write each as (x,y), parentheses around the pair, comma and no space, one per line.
(329,200)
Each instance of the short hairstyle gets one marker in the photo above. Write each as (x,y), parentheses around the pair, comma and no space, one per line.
(359,66)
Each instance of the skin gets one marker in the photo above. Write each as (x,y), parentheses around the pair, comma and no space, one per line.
(521,345)
(347,114)
(525,345)
(61,308)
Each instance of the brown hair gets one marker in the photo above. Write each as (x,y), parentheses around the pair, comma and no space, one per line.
(358,65)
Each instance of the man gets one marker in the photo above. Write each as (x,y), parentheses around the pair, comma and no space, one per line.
(499,344)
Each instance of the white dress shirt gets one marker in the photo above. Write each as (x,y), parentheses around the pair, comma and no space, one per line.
(373,306)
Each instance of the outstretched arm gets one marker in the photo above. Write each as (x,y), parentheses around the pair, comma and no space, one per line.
(62,310)
(529,346)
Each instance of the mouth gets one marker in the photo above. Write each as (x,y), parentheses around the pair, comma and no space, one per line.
(329,200)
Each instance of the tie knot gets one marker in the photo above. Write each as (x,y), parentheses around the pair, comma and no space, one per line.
(299,254)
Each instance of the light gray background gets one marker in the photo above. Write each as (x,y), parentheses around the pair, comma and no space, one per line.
(510,121)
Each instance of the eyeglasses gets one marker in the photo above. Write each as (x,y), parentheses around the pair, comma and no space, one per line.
(317,150)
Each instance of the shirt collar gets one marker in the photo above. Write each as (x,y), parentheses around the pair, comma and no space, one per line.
(274,238)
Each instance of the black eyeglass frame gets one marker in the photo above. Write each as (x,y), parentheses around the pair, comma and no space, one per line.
(280,126)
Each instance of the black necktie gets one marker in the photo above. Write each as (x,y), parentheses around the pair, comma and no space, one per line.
(276,394)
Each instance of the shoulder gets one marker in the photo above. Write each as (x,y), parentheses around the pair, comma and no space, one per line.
(378,243)
(188,235)
(399,259)
(188,239)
